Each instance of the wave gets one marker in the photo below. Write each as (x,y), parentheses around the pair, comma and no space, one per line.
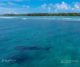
(44,18)
(39,18)
(7,17)
(24,18)
(63,19)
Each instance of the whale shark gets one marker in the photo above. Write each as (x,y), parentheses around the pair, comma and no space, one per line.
(23,48)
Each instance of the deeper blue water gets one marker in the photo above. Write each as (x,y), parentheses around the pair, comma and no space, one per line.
(61,34)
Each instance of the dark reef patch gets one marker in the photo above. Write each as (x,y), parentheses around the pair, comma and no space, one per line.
(20,58)
(26,57)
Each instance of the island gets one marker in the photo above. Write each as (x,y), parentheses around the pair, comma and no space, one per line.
(44,14)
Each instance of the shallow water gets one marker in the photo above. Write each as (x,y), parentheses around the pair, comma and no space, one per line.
(62,34)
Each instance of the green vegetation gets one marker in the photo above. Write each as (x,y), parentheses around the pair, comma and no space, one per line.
(44,14)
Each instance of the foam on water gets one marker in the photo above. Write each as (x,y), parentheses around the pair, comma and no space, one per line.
(44,18)
(8,17)
(24,18)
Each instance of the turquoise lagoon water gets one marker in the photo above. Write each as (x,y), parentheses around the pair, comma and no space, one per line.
(61,34)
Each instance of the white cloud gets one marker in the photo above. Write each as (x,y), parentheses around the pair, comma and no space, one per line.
(44,5)
(10,3)
(51,5)
(62,6)
(14,10)
(49,9)
(7,4)
(7,10)
(76,7)
(14,7)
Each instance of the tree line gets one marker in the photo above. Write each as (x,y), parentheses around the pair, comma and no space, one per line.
(44,14)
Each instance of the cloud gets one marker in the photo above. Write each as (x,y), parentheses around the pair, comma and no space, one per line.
(10,10)
(62,6)
(51,5)
(49,9)
(10,3)
(44,5)
(15,7)
(76,7)
(4,10)
(14,10)
(56,7)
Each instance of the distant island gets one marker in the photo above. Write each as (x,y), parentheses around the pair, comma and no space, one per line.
(44,14)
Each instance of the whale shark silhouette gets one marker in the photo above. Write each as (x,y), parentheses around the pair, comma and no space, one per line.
(22,48)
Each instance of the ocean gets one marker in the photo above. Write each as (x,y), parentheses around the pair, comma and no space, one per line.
(24,41)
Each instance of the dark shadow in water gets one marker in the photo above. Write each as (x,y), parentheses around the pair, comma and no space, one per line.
(20,58)
(22,48)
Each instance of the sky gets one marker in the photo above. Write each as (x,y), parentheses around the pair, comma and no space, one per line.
(39,6)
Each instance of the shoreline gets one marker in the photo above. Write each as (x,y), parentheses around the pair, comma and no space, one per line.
(43,14)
